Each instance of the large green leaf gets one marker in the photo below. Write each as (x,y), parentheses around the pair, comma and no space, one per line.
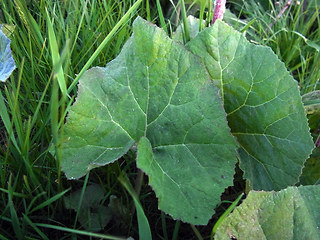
(159,92)
(263,106)
(293,213)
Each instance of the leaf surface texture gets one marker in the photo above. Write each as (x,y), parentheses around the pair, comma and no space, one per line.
(263,105)
(156,94)
(291,214)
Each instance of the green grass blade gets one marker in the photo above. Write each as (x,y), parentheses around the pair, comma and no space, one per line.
(6,121)
(28,20)
(107,39)
(144,228)
(56,62)
(81,199)
(34,199)
(185,22)
(54,117)
(164,226)
(13,193)
(201,14)
(161,17)
(15,109)
(14,217)
(176,230)
(79,232)
(40,104)
(210,13)
(224,215)
(26,145)
(41,234)
(196,232)
(79,26)
(50,200)
(247,26)
(148,10)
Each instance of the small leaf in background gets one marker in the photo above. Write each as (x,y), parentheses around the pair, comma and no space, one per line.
(291,214)
(120,213)
(7,64)
(263,105)
(158,94)
(93,216)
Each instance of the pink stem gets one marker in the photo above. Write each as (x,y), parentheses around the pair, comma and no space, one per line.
(219,9)
(288,3)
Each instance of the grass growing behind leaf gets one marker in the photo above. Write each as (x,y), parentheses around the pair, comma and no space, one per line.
(51,44)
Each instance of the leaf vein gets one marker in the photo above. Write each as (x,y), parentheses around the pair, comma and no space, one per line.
(112,120)
(134,97)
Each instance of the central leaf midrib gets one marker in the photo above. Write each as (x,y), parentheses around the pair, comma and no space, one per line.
(183,144)
(148,100)
(99,146)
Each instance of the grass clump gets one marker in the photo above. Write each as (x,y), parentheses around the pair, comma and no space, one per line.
(51,43)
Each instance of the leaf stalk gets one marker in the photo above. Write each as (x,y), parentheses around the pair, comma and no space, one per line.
(219,9)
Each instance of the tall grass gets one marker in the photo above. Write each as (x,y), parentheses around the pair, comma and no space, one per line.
(53,41)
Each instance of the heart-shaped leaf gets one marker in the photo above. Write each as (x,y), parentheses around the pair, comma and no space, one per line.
(158,94)
(263,106)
